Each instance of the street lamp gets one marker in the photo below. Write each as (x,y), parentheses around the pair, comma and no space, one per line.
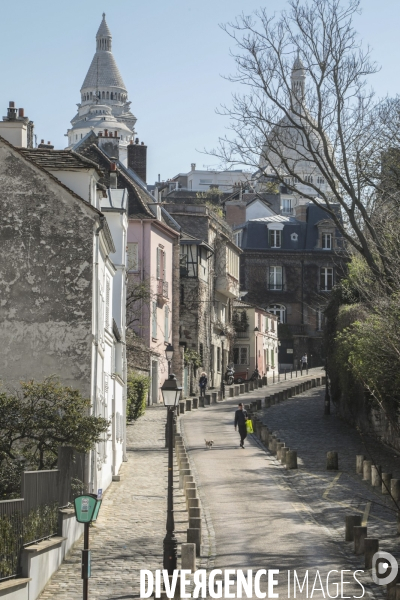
(171,393)
(222,337)
(256,330)
(169,353)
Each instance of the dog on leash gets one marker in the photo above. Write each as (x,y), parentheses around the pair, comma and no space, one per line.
(209,443)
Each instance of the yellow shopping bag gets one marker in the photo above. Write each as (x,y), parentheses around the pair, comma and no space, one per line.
(249,426)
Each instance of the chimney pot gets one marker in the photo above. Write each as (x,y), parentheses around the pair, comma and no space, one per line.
(142,143)
(49,143)
(136,140)
(106,133)
(193,165)
(21,112)
(115,133)
(100,134)
(11,104)
(131,143)
(113,166)
(42,141)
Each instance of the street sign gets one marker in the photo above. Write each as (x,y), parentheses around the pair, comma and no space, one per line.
(85,506)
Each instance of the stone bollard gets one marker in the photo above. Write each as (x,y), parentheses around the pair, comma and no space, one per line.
(258,403)
(201,402)
(359,533)
(359,463)
(182,475)
(188,406)
(182,407)
(251,386)
(195,403)
(194,537)
(236,390)
(193,503)
(279,447)
(271,440)
(386,478)
(214,397)
(188,557)
(246,388)
(296,390)
(351,522)
(313,383)
(395,489)
(267,402)
(284,450)
(231,392)
(280,396)
(189,485)
(264,434)
(276,396)
(291,459)
(190,493)
(259,383)
(195,523)
(194,511)
(207,400)
(393,588)
(371,546)
(187,479)
(318,381)
(367,464)
(241,388)
(376,476)
(332,461)
(219,396)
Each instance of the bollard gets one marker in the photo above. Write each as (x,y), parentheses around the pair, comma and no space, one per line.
(195,523)
(267,402)
(371,546)
(194,537)
(194,511)
(351,522)
(231,392)
(393,588)
(359,463)
(271,440)
(279,447)
(386,477)
(188,557)
(318,379)
(195,403)
(280,396)
(284,450)
(187,479)
(258,403)
(264,434)
(332,461)
(241,388)
(376,478)
(190,493)
(214,397)
(260,383)
(201,402)
(188,406)
(291,459)
(189,485)
(236,390)
(251,386)
(359,533)
(367,464)
(193,503)
(246,388)
(182,474)
(395,489)
(207,400)
(182,407)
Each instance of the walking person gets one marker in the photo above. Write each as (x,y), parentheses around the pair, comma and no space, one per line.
(304,361)
(203,384)
(240,422)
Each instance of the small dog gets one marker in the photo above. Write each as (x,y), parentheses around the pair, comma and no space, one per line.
(209,443)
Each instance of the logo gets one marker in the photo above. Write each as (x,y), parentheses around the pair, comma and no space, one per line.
(385,564)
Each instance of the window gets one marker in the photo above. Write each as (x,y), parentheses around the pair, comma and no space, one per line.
(232,263)
(223,313)
(320,179)
(326,279)
(272,363)
(154,320)
(166,323)
(218,359)
(275,237)
(160,263)
(241,355)
(275,278)
(238,238)
(308,178)
(132,256)
(294,237)
(327,241)
(286,206)
(280,311)
(107,313)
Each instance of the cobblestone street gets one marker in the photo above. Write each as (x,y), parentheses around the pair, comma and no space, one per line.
(129,533)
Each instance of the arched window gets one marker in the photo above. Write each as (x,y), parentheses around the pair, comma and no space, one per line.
(119,96)
(279,310)
(112,96)
(108,95)
(102,95)
(91,95)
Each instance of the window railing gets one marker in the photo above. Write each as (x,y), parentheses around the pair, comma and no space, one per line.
(275,286)
(242,334)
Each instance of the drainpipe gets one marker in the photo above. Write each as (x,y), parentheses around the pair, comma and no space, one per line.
(96,342)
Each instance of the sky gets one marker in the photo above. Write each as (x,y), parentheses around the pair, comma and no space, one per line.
(172,56)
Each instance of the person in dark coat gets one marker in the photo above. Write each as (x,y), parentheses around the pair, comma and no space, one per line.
(203,384)
(240,422)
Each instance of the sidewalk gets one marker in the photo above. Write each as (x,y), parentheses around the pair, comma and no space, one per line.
(129,533)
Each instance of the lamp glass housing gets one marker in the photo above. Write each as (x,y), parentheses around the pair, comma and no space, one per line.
(169,352)
(171,391)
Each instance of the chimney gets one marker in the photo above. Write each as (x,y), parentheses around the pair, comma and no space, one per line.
(193,166)
(137,159)
(44,146)
(109,143)
(300,212)
(16,128)
(113,176)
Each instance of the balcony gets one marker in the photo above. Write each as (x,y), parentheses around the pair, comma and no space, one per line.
(241,335)
(162,291)
(227,285)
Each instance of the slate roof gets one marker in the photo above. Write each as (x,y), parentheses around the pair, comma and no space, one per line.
(255,236)
(63,160)
(103,72)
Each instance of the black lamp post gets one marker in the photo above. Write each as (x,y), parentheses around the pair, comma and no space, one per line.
(171,392)
(327,407)
(256,330)
(222,337)
(169,353)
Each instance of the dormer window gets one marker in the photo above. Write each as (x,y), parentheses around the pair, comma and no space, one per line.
(326,241)
(275,238)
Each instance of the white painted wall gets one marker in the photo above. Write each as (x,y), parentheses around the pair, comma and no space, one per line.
(258,210)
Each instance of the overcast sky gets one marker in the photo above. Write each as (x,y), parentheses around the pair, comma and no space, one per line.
(171,55)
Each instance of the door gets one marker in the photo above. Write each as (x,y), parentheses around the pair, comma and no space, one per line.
(154,382)
(186,382)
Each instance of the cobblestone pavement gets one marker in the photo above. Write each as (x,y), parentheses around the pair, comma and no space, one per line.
(129,533)
(300,422)
(259,518)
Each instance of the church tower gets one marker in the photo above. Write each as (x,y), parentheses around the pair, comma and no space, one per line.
(298,79)
(104,107)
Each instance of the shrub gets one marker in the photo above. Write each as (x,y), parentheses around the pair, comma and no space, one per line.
(138,389)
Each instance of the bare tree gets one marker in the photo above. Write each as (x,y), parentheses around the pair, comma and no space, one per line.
(309,118)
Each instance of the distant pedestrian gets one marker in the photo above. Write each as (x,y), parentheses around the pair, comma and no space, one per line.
(203,384)
(240,421)
(304,361)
